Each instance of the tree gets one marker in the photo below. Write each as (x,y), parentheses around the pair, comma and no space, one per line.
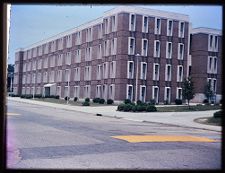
(188,90)
(208,92)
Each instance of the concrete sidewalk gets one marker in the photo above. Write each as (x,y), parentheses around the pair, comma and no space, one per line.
(183,119)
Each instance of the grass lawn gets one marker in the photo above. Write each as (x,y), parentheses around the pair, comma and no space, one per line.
(186,109)
(209,121)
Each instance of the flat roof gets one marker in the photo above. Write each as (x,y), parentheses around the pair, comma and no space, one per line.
(206,31)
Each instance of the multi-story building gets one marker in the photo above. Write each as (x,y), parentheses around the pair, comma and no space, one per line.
(101,58)
(206,52)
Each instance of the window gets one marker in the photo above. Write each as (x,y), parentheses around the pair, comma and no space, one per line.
(214,86)
(77,56)
(52,77)
(99,72)
(105,70)
(179,93)
(88,34)
(155,93)
(28,90)
(58,91)
(68,41)
(39,50)
(78,38)
(129,92)
(169,50)
(77,91)
(68,58)
(53,46)
(145,24)
(46,62)
(45,77)
(181,29)
(113,46)
(106,48)
(210,64)
(98,91)
(29,54)
(38,90)
(131,45)
(104,91)
(59,76)
(34,65)
(52,61)
(39,63)
(156,48)
(66,91)
(142,93)
(157,26)
(106,24)
(100,29)
(130,69)
(112,91)
(88,54)
(113,20)
(23,90)
(112,69)
(24,67)
(99,53)
(216,43)
(156,71)
(39,78)
(215,65)
(144,50)
(77,74)
(28,79)
(179,73)
(24,79)
(34,51)
(59,59)
(143,70)
(45,47)
(60,44)
(87,73)
(169,27)
(67,75)
(180,51)
(132,22)
(168,72)
(87,91)
(167,94)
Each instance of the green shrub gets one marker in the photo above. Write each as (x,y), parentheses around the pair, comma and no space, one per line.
(166,102)
(28,96)
(151,108)
(217,114)
(96,100)
(127,101)
(101,101)
(139,102)
(141,108)
(85,103)
(75,99)
(37,96)
(205,101)
(110,101)
(57,97)
(178,101)
(134,108)
(67,98)
(87,99)
(152,102)
(127,107)
(120,107)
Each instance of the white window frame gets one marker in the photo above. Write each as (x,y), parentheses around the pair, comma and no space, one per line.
(177,93)
(181,33)
(140,94)
(99,53)
(60,43)
(130,76)
(131,51)
(180,78)
(180,56)
(58,91)
(168,77)
(77,56)
(165,94)
(153,94)
(169,33)
(98,91)
(112,69)
(114,23)
(112,91)
(87,91)
(132,27)
(132,92)
(77,74)
(105,70)
(156,78)
(69,41)
(157,54)
(169,54)
(113,46)
(158,30)
(76,91)
(210,68)
(144,52)
(215,65)
(142,72)
(144,28)
(99,72)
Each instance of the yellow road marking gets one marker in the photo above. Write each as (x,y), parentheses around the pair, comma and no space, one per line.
(10,113)
(163,138)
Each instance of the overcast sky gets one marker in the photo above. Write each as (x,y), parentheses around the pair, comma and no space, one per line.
(33,23)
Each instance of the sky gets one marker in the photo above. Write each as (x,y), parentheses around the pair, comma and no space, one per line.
(32,23)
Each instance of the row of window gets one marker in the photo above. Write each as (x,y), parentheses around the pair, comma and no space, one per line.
(156,71)
(157,50)
(102,91)
(157,28)
(212,65)
(155,93)
(213,43)
(212,82)
(104,71)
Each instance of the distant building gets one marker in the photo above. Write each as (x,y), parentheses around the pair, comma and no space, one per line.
(98,59)
(10,76)
(206,56)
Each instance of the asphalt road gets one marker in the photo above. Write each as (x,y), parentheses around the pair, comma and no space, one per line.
(43,137)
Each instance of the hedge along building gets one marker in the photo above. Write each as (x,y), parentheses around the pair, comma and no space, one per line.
(99,58)
(206,59)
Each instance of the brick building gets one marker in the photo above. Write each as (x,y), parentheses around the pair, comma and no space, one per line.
(206,52)
(99,58)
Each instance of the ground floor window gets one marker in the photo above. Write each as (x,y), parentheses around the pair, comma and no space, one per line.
(167,95)
(142,93)
(129,92)
(179,93)
(155,94)
(58,91)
